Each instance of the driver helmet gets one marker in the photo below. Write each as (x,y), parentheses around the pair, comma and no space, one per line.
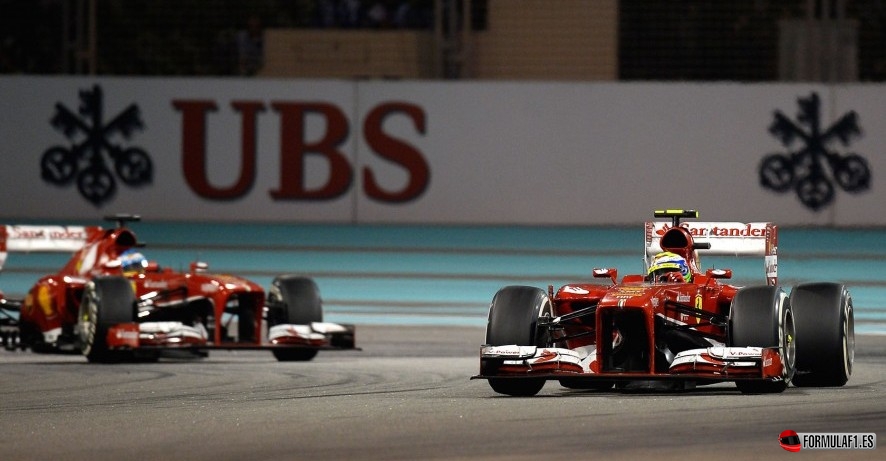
(133,262)
(666,262)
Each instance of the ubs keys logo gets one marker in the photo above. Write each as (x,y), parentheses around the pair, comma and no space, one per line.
(84,162)
(812,170)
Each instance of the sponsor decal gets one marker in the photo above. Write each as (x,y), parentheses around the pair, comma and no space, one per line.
(294,150)
(771,264)
(811,168)
(795,441)
(628,292)
(575,290)
(127,334)
(43,238)
(508,351)
(698,306)
(720,230)
(85,161)
(98,157)
(546,355)
(734,352)
(156,284)
(46,233)
(44,300)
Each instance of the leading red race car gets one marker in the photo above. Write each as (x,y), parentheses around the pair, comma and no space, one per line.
(112,304)
(673,327)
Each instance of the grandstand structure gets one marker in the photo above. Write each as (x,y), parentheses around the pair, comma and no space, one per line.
(568,40)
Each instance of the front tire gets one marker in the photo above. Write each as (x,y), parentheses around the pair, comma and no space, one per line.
(761,316)
(107,301)
(513,320)
(302,305)
(825,334)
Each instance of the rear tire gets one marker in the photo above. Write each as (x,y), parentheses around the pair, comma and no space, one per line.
(513,320)
(107,301)
(761,316)
(302,305)
(825,327)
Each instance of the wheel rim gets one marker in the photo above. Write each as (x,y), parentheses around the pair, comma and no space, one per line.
(88,314)
(789,346)
(543,339)
(848,338)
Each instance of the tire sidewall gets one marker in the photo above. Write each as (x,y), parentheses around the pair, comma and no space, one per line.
(107,301)
(513,316)
(761,316)
(300,297)
(825,333)
(88,319)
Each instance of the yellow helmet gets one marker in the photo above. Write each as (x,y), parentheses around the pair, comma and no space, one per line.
(665,262)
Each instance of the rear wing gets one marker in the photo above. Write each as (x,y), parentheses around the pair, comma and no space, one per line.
(65,239)
(724,238)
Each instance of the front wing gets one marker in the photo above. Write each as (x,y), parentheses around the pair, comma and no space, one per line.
(176,335)
(712,364)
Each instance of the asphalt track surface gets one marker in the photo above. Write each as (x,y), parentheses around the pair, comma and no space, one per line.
(406,396)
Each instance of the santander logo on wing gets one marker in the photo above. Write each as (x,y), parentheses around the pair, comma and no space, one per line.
(718,230)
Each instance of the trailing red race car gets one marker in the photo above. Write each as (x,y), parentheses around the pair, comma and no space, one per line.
(674,326)
(112,304)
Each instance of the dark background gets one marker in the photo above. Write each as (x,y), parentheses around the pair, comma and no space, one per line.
(658,40)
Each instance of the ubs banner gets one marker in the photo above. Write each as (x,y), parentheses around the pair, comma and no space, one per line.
(439,152)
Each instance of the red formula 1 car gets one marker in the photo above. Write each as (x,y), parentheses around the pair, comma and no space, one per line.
(112,304)
(674,326)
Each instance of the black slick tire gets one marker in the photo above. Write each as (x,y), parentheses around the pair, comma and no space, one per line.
(107,301)
(825,328)
(761,316)
(513,320)
(302,305)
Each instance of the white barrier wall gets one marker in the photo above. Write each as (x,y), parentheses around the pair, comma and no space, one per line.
(429,152)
